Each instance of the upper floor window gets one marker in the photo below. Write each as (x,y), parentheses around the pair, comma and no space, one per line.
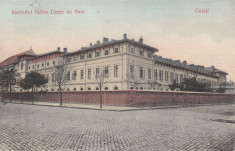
(33,67)
(22,66)
(68,75)
(38,66)
(160,75)
(115,50)
(141,52)
(171,77)
(75,58)
(166,76)
(82,56)
(43,65)
(97,72)
(106,52)
(176,77)
(149,55)
(97,53)
(131,69)
(53,62)
(181,78)
(69,59)
(132,50)
(29,67)
(47,63)
(89,55)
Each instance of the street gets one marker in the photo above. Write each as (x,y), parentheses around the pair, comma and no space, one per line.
(44,128)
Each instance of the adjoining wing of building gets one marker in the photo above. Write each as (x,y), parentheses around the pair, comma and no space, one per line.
(125,64)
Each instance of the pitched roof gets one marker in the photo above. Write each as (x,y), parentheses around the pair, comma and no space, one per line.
(15,58)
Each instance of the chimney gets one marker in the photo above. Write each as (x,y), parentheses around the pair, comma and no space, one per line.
(65,50)
(90,44)
(58,49)
(124,36)
(98,42)
(105,40)
(141,40)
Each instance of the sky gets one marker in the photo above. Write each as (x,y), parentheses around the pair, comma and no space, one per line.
(199,31)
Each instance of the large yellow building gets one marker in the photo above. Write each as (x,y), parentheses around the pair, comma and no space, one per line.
(125,64)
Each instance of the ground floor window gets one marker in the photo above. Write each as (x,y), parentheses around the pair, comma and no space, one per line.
(115,88)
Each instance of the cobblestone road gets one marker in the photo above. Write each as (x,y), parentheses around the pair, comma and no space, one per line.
(39,128)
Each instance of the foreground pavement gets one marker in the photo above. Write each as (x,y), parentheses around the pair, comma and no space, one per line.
(39,128)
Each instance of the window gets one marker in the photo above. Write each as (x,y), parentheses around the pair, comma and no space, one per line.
(22,66)
(106,88)
(82,56)
(106,52)
(47,76)
(33,67)
(75,58)
(69,59)
(181,78)
(116,88)
(53,62)
(176,77)
(29,67)
(115,50)
(160,75)
(89,55)
(97,72)
(171,77)
(82,72)
(132,50)
(149,55)
(47,63)
(131,69)
(141,52)
(38,65)
(115,70)
(97,53)
(166,76)
(149,74)
(89,74)
(43,65)
(141,72)
(106,71)
(155,74)
(96,88)
(53,77)
(74,76)
(89,88)
(68,75)
(74,89)
(81,89)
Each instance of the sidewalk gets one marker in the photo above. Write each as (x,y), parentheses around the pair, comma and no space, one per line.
(104,107)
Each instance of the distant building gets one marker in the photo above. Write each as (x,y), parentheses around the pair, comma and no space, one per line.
(126,64)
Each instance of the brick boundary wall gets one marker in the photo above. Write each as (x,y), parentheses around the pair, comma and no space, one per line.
(126,97)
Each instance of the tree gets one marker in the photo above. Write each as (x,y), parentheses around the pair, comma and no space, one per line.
(8,78)
(99,76)
(191,84)
(153,83)
(174,86)
(59,76)
(33,80)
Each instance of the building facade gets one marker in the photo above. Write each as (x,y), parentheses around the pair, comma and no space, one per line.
(125,64)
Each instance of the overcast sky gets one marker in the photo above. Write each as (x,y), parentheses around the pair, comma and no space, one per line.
(171,26)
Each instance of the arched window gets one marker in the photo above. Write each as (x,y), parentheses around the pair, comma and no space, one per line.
(88,88)
(52,89)
(68,89)
(136,88)
(115,88)
(97,88)
(74,89)
(106,88)
(141,88)
(81,89)
(131,88)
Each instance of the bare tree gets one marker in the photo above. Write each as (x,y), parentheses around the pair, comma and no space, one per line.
(153,83)
(99,76)
(59,76)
